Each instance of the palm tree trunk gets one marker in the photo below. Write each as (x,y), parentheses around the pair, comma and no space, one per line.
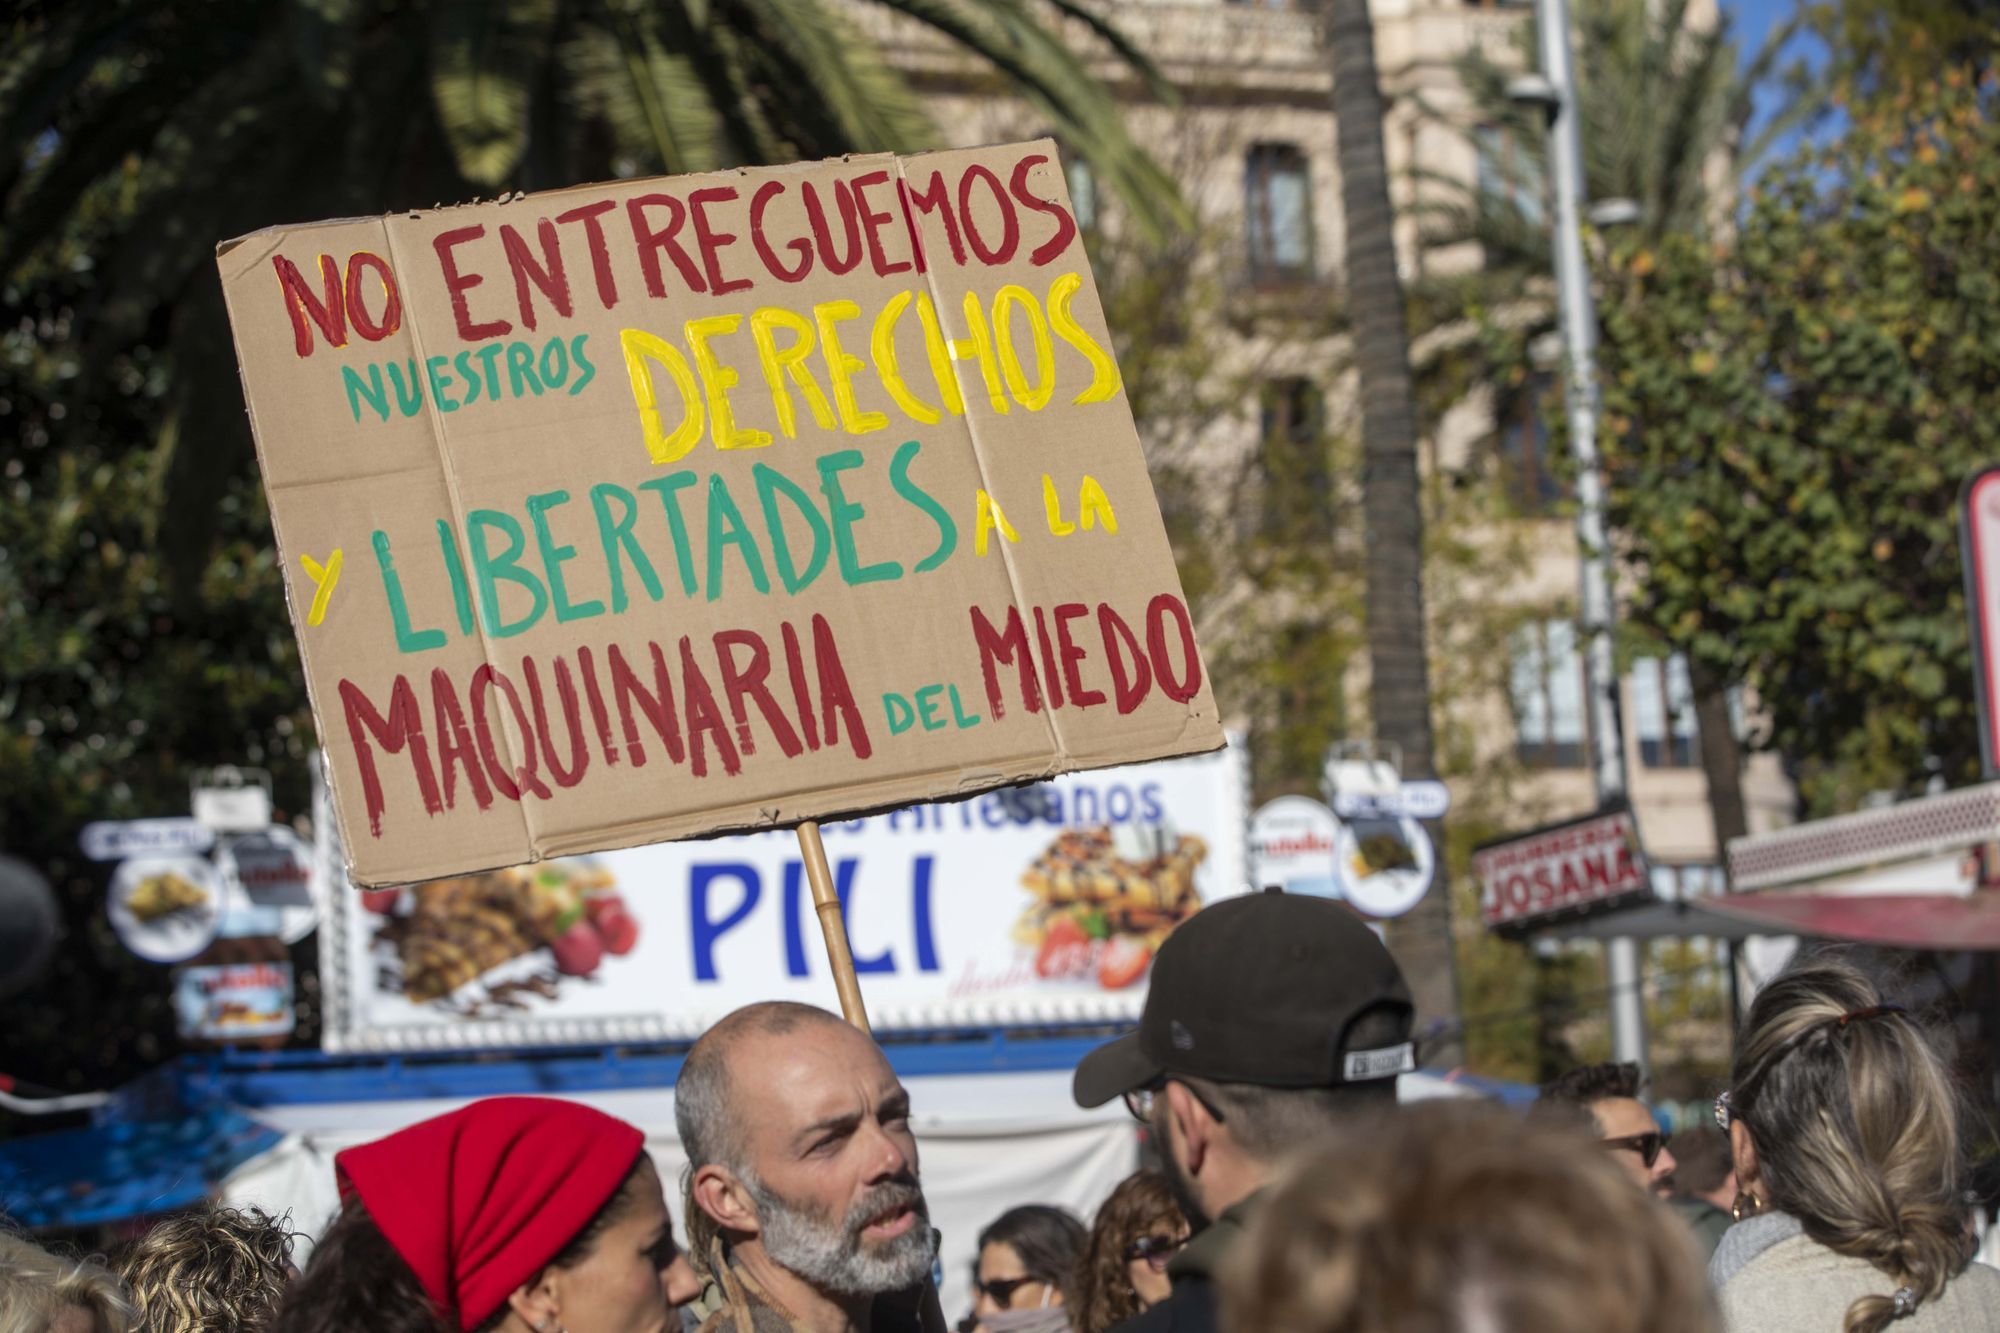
(1399,674)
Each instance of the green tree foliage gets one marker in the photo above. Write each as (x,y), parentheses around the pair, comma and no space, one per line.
(1881,46)
(1789,418)
(1664,115)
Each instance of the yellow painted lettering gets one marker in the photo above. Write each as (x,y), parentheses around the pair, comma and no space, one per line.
(716,382)
(989,518)
(779,362)
(1095,504)
(982,348)
(1034,397)
(841,365)
(883,347)
(940,350)
(639,348)
(1104,381)
(1051,502)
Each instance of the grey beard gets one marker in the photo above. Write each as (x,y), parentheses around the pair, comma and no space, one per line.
(832,1257)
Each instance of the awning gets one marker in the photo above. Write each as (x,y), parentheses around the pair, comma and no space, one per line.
(1902,921)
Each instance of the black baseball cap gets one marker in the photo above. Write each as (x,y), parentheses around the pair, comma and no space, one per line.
(1264,989)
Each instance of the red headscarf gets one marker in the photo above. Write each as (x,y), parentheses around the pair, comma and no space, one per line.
(478,1201)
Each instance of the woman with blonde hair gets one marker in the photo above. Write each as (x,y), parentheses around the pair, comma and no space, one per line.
(45,1293)
(1123,1269)
(1845,1128)
(1452,1216)
(214,1270)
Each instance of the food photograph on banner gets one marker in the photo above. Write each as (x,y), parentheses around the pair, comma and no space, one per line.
(1041,905)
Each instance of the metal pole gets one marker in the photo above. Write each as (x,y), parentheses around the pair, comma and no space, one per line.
(1579,331)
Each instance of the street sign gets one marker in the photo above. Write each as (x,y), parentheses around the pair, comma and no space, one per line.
(1385,864)
(1419,800)
(1576,868)
(116,840)
(1292,842)
(1979,553)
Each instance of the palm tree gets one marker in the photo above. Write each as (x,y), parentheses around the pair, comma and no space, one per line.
(171,124)
(1665,113)
(1399,672)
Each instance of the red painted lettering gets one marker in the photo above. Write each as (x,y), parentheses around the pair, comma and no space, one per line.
(403,727)
(374,330)
(651,242)
(590,216)
(1010,229)
(458,284)
(324,311)
(996,648)
(1065,224)
(712,242)
(798,245)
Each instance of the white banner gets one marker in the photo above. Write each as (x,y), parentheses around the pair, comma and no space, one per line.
(1042,905)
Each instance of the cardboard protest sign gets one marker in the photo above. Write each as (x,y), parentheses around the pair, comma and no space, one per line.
(654,509)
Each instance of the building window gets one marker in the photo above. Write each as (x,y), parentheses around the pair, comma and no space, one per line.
(1296,473)
(1277,193)
(1508,175)
(1663,713)
(1546,682)
(1526,468)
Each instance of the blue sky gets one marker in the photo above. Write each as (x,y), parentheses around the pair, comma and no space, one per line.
(1750,22)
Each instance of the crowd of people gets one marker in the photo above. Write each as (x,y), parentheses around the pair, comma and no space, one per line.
(1290,1190)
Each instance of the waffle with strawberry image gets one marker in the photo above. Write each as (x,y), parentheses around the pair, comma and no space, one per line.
(1100,909)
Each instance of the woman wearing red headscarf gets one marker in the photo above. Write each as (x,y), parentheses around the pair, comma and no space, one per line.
(515,1214)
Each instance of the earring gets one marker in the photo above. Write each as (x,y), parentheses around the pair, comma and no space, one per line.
(1747,1205)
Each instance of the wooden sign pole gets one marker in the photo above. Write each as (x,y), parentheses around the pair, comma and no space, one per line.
(826,901)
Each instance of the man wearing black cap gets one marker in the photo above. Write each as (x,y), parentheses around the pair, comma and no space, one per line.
(1270,1018)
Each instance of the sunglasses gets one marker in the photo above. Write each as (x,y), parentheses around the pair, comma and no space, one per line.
(1647,1145)
(1001,1289)
(1140,1101)
(1156,1251)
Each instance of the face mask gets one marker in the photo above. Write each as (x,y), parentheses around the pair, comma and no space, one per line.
(1049,1319)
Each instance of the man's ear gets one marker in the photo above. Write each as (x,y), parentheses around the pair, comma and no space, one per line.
(1197,1127)
(1743,1150)
(723,1197)
(534,1302)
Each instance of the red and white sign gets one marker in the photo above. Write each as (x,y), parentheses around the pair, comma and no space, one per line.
(1979,551)
(1583,865)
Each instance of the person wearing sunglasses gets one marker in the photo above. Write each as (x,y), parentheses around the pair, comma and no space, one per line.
(1123,1272)
(1607,1096)
(1026,1259)
(1271,1020)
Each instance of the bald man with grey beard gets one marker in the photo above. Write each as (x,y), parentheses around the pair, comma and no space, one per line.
(803,1166)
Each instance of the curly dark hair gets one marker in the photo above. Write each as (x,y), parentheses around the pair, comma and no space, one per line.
(1588,1085)
(1142,1205)
(357,1280)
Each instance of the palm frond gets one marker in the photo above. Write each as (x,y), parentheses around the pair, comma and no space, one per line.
(656,105)
(821,66)
(1051,77)
(485,57)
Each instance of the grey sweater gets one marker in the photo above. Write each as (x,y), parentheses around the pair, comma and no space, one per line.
(1773,1278)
